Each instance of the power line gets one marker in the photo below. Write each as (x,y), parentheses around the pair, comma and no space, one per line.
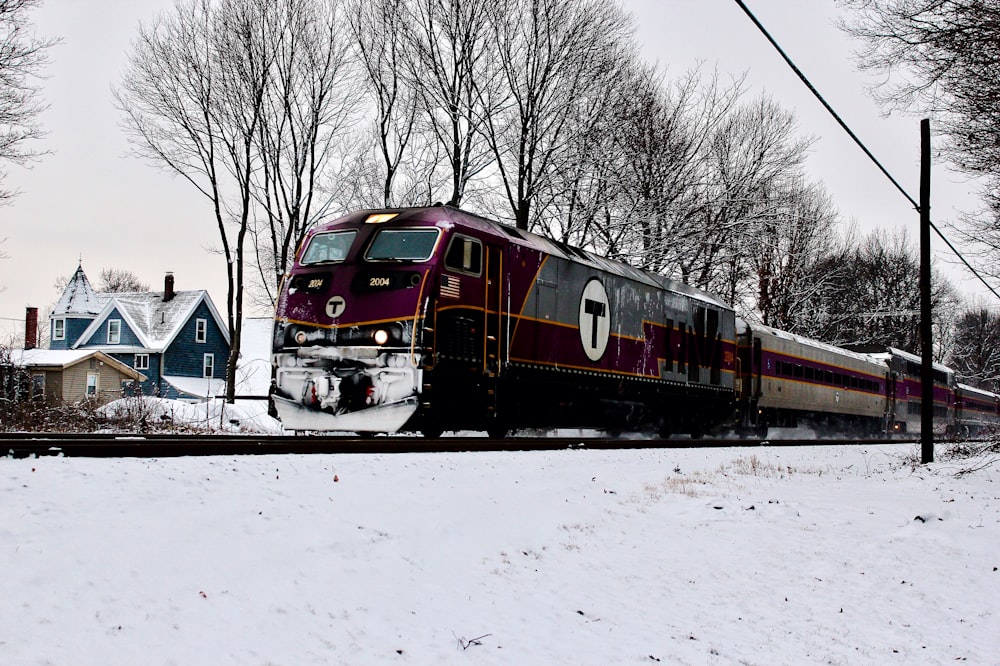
(858,141)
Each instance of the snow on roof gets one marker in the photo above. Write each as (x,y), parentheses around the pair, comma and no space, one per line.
(61,358)
(154,321)
(64,358)
(742,325)
(968,388)
(79,297)
(906,356)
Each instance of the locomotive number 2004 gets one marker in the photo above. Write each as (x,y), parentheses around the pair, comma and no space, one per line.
(378,282)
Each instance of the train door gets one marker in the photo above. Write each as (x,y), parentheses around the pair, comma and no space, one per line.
(890,402)
(493,313)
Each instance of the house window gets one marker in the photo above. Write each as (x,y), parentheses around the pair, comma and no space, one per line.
(58,329)
(38,385)
(208,365)
(200,330)
(92,383)
(142,362)
(114,331)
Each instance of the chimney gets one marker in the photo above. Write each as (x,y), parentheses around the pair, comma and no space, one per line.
(168,287)
(30,328)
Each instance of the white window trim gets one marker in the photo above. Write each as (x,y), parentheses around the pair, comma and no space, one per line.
(114,338)
(201,330)
(59,332)
(144,365)
(208,366)
(97,384)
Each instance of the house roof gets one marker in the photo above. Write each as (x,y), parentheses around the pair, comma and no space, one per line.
(154,321)
(60,359)
(79,297)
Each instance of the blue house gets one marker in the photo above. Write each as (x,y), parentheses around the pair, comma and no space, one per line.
(177,339)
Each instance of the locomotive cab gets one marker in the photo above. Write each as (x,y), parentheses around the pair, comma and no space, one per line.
(346,337)
(379,308)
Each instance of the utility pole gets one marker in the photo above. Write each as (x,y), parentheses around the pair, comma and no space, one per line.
(926,332)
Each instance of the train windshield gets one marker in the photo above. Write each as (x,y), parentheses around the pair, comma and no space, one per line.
(403,244)
(331,246)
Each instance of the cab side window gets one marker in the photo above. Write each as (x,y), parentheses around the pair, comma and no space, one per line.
(465,255)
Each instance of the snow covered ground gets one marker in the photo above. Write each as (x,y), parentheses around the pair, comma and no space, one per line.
(729,556)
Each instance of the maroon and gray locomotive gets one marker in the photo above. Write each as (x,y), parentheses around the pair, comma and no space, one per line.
(433,319)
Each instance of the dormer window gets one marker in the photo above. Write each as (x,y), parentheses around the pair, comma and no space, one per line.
(114,331)
(58,329)
(200,330)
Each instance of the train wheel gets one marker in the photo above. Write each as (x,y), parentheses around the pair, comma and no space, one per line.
(431,432)
(497,432)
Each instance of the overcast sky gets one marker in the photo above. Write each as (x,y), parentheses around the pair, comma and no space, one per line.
(89,199)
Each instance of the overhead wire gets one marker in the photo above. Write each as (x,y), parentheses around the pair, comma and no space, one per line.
(858,141)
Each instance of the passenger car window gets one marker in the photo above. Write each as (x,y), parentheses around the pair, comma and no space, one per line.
(330,246)
(464,255)
(403,244)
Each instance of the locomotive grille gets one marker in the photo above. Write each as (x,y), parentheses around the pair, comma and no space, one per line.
(460,338)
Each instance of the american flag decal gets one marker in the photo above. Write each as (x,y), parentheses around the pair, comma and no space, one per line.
(450,286)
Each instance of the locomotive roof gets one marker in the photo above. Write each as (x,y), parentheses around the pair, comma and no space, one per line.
(547,245)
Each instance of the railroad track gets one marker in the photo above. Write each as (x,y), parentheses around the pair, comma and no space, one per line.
(23,445)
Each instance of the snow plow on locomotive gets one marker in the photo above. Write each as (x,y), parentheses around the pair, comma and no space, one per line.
(434,319)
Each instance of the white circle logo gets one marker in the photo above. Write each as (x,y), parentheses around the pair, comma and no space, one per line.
(595,319)
(335,307)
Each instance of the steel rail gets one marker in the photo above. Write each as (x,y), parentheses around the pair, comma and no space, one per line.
(22,445)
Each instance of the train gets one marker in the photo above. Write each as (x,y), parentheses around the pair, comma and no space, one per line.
(433,319)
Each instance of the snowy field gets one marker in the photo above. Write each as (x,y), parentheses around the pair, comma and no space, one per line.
(730,556)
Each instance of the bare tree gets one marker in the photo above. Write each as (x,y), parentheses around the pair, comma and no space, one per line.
(119,280)
(193,99)
(247,100)
(976,356)
(942,57)
(583,198)
(22,56)
(548,53)
(450,48)
(379,31)
(751,151)
(665,140)
(794,232)
(310,103)
(870,296)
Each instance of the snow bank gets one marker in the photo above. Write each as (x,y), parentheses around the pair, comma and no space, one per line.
(246,416)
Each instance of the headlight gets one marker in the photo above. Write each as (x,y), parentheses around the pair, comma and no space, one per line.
(381,336)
